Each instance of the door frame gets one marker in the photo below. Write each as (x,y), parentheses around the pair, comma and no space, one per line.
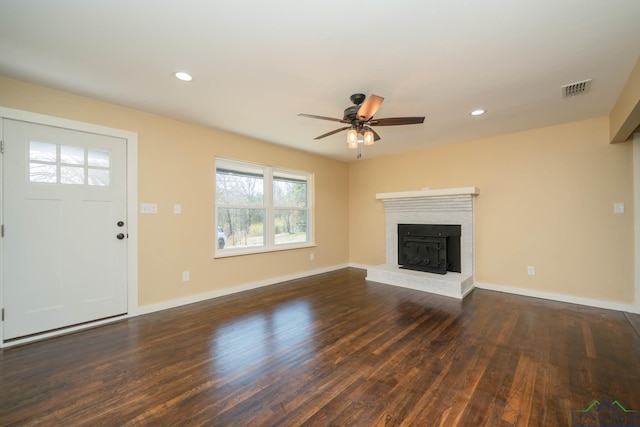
(636,216)
(132,212)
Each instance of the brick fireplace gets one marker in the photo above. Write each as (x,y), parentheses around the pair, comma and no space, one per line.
(452,206)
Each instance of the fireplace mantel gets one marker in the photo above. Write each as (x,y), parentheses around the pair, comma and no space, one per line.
(442,206)
(426,192)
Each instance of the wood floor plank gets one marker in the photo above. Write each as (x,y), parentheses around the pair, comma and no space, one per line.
(331,349)
(634,319)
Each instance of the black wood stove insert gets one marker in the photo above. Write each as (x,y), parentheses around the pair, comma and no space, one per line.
(433,248)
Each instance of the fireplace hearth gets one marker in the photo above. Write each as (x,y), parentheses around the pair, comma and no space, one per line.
(433,248)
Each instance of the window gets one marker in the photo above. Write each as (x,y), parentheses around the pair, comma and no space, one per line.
(261,208)
(66,164)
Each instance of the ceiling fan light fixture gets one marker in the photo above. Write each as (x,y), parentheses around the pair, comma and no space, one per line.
(368,137)
(352,138)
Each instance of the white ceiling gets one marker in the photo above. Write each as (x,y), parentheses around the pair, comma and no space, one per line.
(257,64)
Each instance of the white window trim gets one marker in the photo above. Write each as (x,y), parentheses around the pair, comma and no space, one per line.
(270,245)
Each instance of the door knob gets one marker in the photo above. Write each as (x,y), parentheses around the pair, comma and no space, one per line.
(120,236)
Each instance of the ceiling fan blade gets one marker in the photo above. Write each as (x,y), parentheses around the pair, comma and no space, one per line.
(332,132)
(395,121)
(376,137)
(369,107)
(311,116)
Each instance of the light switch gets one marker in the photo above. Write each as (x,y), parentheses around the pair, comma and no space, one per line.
(177,209)
(149,208)
(618,208)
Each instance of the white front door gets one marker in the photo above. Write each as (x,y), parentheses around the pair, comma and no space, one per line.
(65,227)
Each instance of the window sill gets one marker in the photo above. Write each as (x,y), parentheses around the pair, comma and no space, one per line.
(231,252)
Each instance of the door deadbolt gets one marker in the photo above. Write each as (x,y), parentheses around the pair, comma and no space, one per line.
(120,223)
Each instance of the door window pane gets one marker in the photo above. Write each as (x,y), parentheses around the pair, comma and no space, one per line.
(99,158)
(42,172)
(99,177)
(42,151)
(71,175)
(71,155)
(48,161)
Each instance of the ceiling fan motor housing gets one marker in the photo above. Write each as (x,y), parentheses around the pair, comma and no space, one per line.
(351,113)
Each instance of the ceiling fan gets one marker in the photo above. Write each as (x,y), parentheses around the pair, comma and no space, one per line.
(360,119)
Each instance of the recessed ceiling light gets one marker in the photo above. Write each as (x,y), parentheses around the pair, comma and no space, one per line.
(478,112)
(185,77)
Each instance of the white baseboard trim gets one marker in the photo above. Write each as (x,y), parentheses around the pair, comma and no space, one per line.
(164,305)
(559,297)
(360,266)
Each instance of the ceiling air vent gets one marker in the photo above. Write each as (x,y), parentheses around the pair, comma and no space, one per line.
(575,89)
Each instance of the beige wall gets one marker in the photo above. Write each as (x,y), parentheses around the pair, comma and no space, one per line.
(546,199)
(176,166)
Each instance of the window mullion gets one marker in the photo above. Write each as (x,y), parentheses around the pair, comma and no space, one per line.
(86,165)
(270,239)
(58,161)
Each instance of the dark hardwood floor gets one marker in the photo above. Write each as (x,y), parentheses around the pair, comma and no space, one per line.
(334,350)
(634,319)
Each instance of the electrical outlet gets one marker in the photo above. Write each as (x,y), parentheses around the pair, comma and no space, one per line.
(531,270)
(311,256)
(186,276)
(618,208)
